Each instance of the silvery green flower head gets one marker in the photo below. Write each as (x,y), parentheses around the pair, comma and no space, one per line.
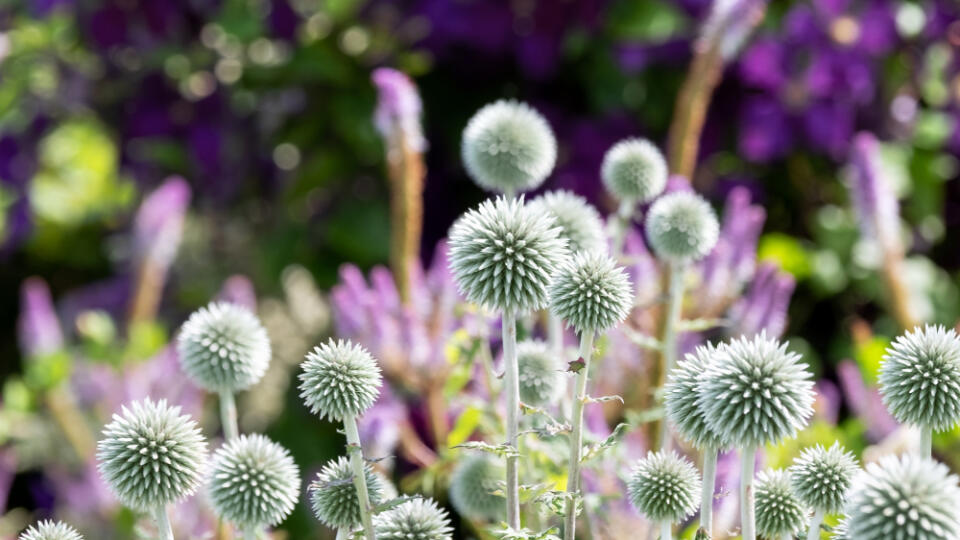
(756,392)
(333,495)
(591,293)
(579,221)
(50,530)
(822,476)
(682,227)
(508,146)
(664,487)
(541,377)
(223,348)
(840,531)
(634,171)
(779,511)
(151,455)
(339,380)
(472,485)
(503,255)
(254,482)
(682,399)
(920,378)
(904,498)
(416,519)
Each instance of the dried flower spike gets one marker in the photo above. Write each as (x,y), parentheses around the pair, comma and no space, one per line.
(339,380)
(333,495)
(591,293)
(682,227)
(541,375)
(779,513)
(664,487)
(472,485)
(417,519)
(50,530)
(508,147)
(579,222)
(634,171)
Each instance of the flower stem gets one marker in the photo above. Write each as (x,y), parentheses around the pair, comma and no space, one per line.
(512,394)
(747,515)
(620,226)
(666,530)
(250,533)
(814,532)
(228,415)
(164,530)
(926,441)
(709,483)
(555,341)
(359,475)
(668,339)
(406,171)
(576,435)
(343,533)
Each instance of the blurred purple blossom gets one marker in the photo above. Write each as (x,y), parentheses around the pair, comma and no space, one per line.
(729,24)
(38,327)
(876,205)
(158,225)
(765,304)
(865,402)
(398,108)
(238,289)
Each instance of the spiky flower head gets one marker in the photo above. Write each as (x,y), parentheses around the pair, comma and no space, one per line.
(904,498)
(151,455)
(841,531)
(472,485)
(50,530)
(541,376)
(416,519)
(664,487)
(755,392)
(634,171)
(591,293)
(503,255)
(682,400)
(920,378)
(254,482)
(333,495)
(508,146)
(682,227)
(339,380)
(223,348)
(822,476)
(779,511)
(579,221)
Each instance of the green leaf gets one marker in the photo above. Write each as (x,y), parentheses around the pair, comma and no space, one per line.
(500,450)
(464,426)
(594,450)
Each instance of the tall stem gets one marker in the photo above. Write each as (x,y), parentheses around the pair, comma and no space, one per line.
(926,441)
(668,340)
(359,475)
(512,393)
(620,227)
(555,341)
(814,532)
(406,170)
(250,533)
(164,530)
(747,517)
(343,533)
(709,483)
(576,435)
(666,530)
(228,415)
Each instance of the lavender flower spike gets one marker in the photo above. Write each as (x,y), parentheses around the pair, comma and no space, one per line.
(398,107)
(872,195)
(729,25)
(38,328)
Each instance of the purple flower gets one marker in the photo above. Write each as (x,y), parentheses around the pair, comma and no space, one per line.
(398,108)
(873,199)
(764,306)
(158,225)
(38,328)
(729,24)
(238,289)
(865,402)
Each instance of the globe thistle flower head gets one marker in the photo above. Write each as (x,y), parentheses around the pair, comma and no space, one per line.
(151,455)
(50,530)
(339,380)
(755,392)
(779,512)
(591,293)
(822,476)
(682,227)
(841,531)
(904,498)
(223,348)
(416,519)
(578,220)
(634,171)
(333,495)
(508,146)
(664,487)
(920,378)
(541,377)
(253,482)
(682,400)
(472,485)
(503,255)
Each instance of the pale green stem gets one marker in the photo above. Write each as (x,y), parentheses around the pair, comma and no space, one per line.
(747,516)
(359,475)
(814,532)
(228,415)
(555,341)
(512,395)
(926,441)
(250,533)
(786,536)
(620,226)
(576,435)
(343,533)
(709,483)
(675,275)
(164,530)
(666,530)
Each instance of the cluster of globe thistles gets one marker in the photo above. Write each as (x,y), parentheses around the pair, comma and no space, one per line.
(821,477)
(634,171)
(682,227)
(333,495)
(664,487)
(591,293)
(779,512)
(339,380)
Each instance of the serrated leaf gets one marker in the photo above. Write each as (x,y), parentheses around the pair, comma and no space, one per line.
(640,340)
(501,450)
(602,399)
(392,503)
(594,450)
(555,502)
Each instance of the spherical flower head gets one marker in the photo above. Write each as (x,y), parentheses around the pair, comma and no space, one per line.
(682,400)
(541,377)
(472,485)
(664,487)
(508,146)
(254,482)
(50,530)
(578,220)
(333,495)
(591,293)
(634,171)
(223,348)
(151,455)
(779,511)
(904,498)
(339,380)
(755,392)
(503,255)
(822,476)
(416,519)
(920,378)
(682,227)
